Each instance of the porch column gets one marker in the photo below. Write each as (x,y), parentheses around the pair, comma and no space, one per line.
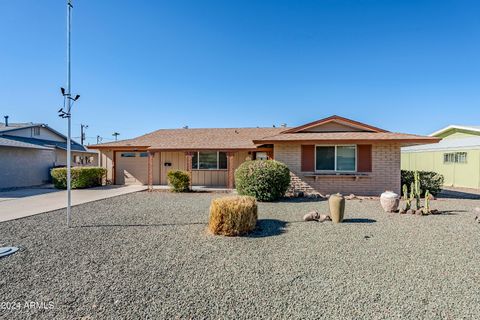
(150,170)
(189,156)
(230,174)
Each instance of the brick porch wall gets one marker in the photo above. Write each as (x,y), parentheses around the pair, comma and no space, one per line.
(385,173)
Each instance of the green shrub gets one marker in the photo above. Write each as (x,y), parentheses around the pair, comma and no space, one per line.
(429,180)
(266,180)
(179,180)
(82,177)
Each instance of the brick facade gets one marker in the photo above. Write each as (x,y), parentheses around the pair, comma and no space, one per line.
(385,173)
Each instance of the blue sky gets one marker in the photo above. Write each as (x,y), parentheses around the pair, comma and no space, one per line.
(408,66)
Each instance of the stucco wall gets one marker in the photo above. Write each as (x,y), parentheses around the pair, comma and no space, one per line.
(465,175)
(385,173)
(105,160)
(45,134)
(22,167)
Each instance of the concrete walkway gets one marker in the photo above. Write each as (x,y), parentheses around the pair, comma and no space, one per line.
(16,193)
(197,189)
(12,207)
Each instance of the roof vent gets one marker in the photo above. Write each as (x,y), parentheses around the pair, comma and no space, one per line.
(6,121)
(185,127)
(283,125)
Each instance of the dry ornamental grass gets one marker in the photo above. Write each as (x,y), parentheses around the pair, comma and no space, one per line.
(233,216)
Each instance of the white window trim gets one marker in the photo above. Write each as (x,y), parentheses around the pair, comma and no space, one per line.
(335,158)
(218,162)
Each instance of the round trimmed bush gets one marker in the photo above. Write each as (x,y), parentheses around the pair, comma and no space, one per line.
(179,180)
(266,180)
(233,216)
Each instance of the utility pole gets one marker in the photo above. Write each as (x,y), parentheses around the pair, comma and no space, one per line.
(99,139)
(82,132)
(115,134)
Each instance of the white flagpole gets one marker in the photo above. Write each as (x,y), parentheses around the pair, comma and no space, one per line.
(69,105)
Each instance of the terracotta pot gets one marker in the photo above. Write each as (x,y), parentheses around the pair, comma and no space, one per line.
(336,202)
(389,201)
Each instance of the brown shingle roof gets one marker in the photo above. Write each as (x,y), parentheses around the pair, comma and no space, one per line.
(249,138)
(196,139)
(338,137)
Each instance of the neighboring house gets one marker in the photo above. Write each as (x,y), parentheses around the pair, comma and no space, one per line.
(330,155)
(29,150)
(456,157)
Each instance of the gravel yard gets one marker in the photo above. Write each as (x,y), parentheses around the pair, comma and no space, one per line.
(147,255)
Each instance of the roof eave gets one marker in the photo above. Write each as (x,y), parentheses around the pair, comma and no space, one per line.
(453,126)
(117,147)
(188,149)
(332,141)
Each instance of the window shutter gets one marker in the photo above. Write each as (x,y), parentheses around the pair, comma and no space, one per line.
(308,158)
(364,161)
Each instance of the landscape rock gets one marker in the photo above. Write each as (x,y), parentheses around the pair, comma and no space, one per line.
(299,194)
(410,211)
(324,217)
(311,216)
(419,212)
(351,197)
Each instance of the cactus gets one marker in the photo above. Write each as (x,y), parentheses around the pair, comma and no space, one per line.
(427,202)
(416,189)
(408,203)
(412,193)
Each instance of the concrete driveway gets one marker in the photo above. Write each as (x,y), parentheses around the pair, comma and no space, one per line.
(22,203)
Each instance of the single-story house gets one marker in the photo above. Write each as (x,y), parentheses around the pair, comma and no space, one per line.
(29,150)
(334,154)
(456,157)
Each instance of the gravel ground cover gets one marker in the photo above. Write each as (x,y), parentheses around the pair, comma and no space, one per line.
(147,255)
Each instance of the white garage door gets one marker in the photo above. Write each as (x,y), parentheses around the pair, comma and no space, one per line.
(131,168)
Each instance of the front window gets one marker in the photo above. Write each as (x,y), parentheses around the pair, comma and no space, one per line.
(128,155)
(209,160)
(336,158)
(455,157)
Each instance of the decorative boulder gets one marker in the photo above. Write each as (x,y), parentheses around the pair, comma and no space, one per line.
(336,203)
(311,216)
(389,201)
(233,216)
(324,217)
